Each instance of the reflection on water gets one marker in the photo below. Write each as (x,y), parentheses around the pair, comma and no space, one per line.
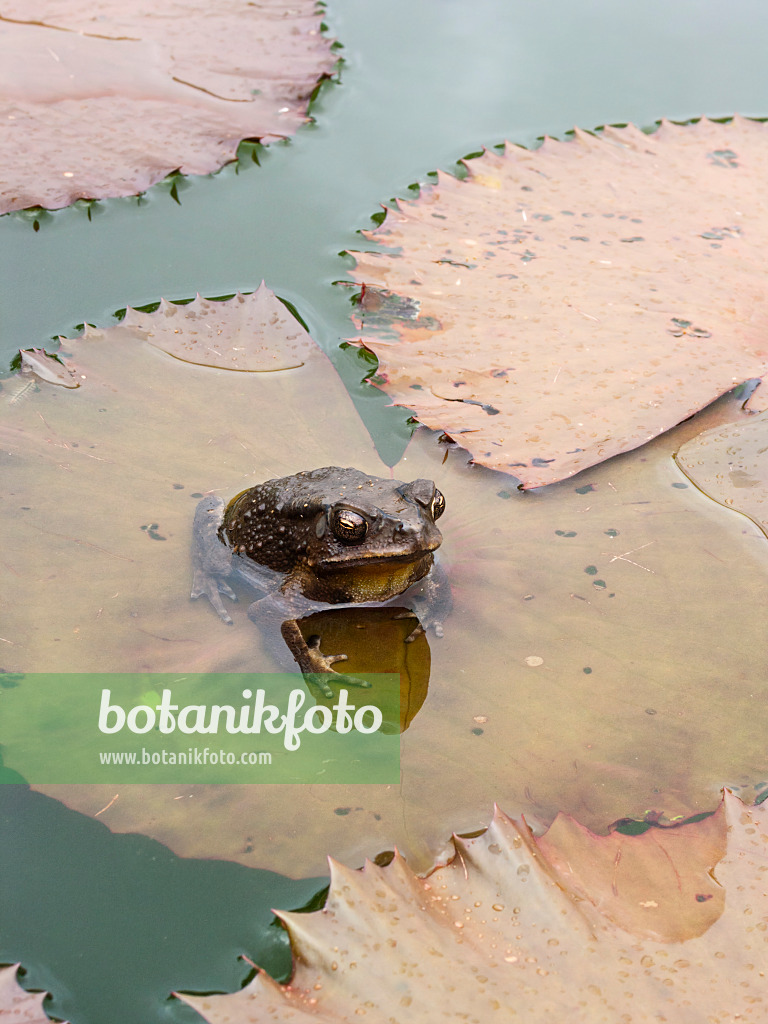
(374,641)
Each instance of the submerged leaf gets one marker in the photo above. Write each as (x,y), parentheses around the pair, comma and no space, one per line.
(105,99)
(17,1006)
(99,542)
(502,933)
(730,464)
(579,671)
(374,641)
(657,885)
(561,306)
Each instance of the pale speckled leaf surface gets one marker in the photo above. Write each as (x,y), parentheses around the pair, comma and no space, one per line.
(106,98)
(259,334)
(47,367)
(561,306)
(730,464)
(500,933)
(17,1006)
(657,885)
(88,471)
(579,671)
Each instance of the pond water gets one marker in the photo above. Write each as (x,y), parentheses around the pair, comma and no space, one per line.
(422,85)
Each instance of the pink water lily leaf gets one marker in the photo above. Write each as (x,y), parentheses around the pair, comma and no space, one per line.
(17,1006)
(561,306)
(105,99)
(663,927)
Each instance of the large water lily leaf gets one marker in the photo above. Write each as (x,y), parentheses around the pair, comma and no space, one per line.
(590,675)
(102,478)
(579,670)
(99,485)
(560,306)
(501,933)
(729,464)
(17,1006)
(105,99)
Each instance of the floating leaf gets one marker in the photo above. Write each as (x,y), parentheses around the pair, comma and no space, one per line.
(729,464)
(558,307)
(106,99)
(259,335)
(502,932)
(82,453)
(47,368)
(100,485)
(657,885)
(17,1006)
(373,640)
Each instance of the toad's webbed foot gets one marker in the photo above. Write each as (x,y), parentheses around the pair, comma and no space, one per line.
(212,587)
(321,662)
(313,663)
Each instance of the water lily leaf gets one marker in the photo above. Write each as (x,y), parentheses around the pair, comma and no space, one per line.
(17,1006)
(561,306)
(605,694)
(260,334)
(657,885)
(579,670)
(106,99)
(729,464)
(100,487)
(47,367)
(500,932)
(122,522)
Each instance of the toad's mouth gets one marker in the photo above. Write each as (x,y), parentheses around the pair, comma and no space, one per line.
(334,564)
(372,579)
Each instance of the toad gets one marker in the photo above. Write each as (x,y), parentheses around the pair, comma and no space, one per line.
(327,536)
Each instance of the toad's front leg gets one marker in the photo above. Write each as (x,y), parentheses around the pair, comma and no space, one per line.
(279,614)
(308,656)
(274,610)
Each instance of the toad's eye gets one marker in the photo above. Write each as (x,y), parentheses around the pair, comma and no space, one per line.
(438,505)
(347,526)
